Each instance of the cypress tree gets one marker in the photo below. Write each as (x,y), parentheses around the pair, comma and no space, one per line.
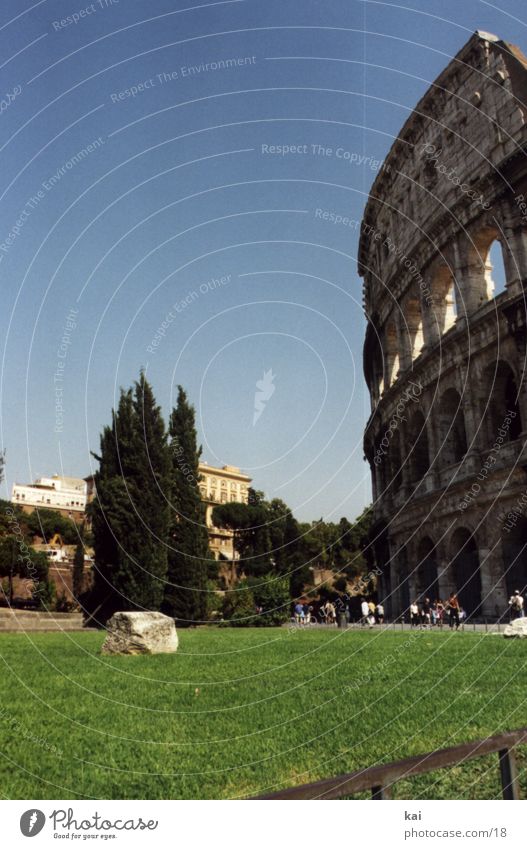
(190,563)
(130,511)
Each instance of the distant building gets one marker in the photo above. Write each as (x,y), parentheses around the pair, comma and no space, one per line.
(220,486)
(64,494)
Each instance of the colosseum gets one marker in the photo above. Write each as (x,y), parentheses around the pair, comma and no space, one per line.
(443,254)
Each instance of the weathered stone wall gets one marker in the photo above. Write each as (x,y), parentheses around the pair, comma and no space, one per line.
(444,356)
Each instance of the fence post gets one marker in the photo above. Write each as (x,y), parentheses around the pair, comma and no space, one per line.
(509,774)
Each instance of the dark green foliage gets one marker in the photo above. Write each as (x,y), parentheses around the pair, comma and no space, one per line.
(268,539)
(238,607)
(190,563)
(272,600)
(46,523)
(18,559)
(130,511)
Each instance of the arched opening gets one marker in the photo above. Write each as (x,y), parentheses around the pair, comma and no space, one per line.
(452,428)
(502,410)
(418,451)
(495,269)
(465,566)
(514,549)
(427,584)
(391,354)
(486,275)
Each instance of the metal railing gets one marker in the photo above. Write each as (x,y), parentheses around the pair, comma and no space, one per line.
(380,779)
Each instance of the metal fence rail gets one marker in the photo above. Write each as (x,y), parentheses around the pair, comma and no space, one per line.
(379,779)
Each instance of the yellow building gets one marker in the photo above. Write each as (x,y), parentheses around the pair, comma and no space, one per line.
(220,486)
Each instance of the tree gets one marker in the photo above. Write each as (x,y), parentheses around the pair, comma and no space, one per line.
(2,465)
(46,523)
(238,608)
(272,599)
(18,559)
(130,511)
(190,563)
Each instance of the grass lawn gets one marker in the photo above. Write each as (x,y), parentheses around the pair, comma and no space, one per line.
(243,711)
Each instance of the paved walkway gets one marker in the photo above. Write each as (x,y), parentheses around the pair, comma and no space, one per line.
(468,627)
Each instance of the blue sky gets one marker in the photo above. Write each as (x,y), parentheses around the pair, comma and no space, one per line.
(144,192)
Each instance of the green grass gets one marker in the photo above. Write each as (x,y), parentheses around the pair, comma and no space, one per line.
(244,711)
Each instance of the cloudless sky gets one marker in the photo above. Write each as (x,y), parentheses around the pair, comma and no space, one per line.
(179,191)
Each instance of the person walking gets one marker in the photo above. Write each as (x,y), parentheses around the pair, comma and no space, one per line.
(330,612)
(453,610)
(414,614)
(364,609)
(380,613)
(426,613)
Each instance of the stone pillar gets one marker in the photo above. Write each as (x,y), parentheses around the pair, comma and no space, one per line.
(471,281)
(515,258)
(431,333)
(434,440)
(493,588)
(405,489)
(403,341)
(447,584)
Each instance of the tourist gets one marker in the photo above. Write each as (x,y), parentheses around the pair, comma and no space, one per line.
(426,613)
(414,614)
(329,610)
(453,610)
(516,605)
(433,613)
(364,609)
(299,614)
(380,613)
(440,613)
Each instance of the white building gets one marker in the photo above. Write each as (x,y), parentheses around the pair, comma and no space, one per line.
(219,486)
(65,494)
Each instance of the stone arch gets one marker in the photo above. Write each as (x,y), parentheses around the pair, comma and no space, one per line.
(418,457)
(480,285)
(427,577)
(496,268)
(466,571)
(501,407)
(451,420)
(514,550)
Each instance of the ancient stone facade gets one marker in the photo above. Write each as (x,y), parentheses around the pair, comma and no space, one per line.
(444,354)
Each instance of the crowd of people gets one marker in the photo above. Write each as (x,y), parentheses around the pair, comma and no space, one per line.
(423,613)
(430,614)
